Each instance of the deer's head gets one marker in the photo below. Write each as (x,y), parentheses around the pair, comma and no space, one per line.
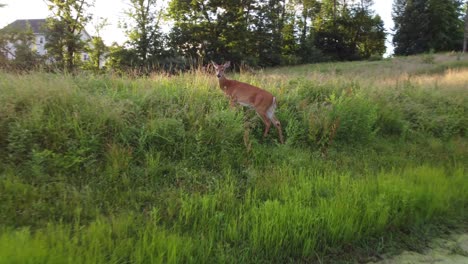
(220,68)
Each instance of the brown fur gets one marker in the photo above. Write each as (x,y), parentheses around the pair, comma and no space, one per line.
(249,95)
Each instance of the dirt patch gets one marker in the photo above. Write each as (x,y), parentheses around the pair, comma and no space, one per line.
(451,250)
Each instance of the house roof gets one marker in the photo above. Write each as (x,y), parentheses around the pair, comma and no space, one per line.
(37,25)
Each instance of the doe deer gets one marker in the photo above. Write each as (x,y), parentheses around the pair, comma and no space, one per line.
(245,94)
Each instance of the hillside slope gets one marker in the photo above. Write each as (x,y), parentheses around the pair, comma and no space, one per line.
(97,169)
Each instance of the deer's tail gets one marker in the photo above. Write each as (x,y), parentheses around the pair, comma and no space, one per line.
(271,110)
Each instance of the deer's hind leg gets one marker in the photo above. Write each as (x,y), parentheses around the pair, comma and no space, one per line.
(277,124)
(267,123)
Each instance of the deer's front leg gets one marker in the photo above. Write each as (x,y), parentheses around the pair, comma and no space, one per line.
(233,101)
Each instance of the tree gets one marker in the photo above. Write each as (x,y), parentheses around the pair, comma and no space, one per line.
(259,33)
(236,40)
(64,30)
(446,25)
(273,17)
(3,47)
(427,25)
(347,31)
(143,31)
(465,39)
(214,30)
(309,9)
(289,45)
(97,48)
(410,27)
(367,31)
(56,42)
(199,29)
(3,58)
(17,43)
(274,32)
(122,60)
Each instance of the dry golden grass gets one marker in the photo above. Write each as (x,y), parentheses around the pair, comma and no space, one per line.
(448,71)
(451,79)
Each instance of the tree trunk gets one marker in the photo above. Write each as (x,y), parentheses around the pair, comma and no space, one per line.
(69,64)
(334,12)
(465,39)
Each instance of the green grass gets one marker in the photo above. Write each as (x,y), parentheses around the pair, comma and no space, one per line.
(279,218)
(106,169)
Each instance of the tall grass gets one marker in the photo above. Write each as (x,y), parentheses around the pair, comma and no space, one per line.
(97,169)
(285,214)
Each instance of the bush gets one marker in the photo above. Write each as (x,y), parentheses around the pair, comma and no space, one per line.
(356,116)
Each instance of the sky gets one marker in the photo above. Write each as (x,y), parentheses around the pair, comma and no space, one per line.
(113,11)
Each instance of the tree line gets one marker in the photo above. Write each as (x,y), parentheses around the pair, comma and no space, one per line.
(429,25)
(261,33)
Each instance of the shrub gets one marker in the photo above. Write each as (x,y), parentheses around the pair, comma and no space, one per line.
(357,117)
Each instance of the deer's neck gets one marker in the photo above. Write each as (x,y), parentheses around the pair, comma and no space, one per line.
(224,83)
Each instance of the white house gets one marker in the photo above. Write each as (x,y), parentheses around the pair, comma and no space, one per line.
(38,29)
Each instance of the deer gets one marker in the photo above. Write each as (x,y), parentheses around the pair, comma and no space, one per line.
(244,94)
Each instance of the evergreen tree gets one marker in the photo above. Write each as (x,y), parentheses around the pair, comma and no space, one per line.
(446,25)
(427,25)
(56,42)
(22,40)
(465,39)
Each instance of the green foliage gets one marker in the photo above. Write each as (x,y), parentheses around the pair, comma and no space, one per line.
(441,31)
(349,32)
(121,60)
(96,51)
(143,31)
(63,32)
(55,46)
(391,121)
(275,32)
(21,41)
(356,117)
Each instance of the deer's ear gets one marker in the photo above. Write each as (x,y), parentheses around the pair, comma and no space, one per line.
(214,64)
(227,64)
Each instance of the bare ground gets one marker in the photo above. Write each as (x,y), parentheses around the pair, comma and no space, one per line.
(450,250)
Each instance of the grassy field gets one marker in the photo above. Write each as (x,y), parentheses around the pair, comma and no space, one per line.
(107,169)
